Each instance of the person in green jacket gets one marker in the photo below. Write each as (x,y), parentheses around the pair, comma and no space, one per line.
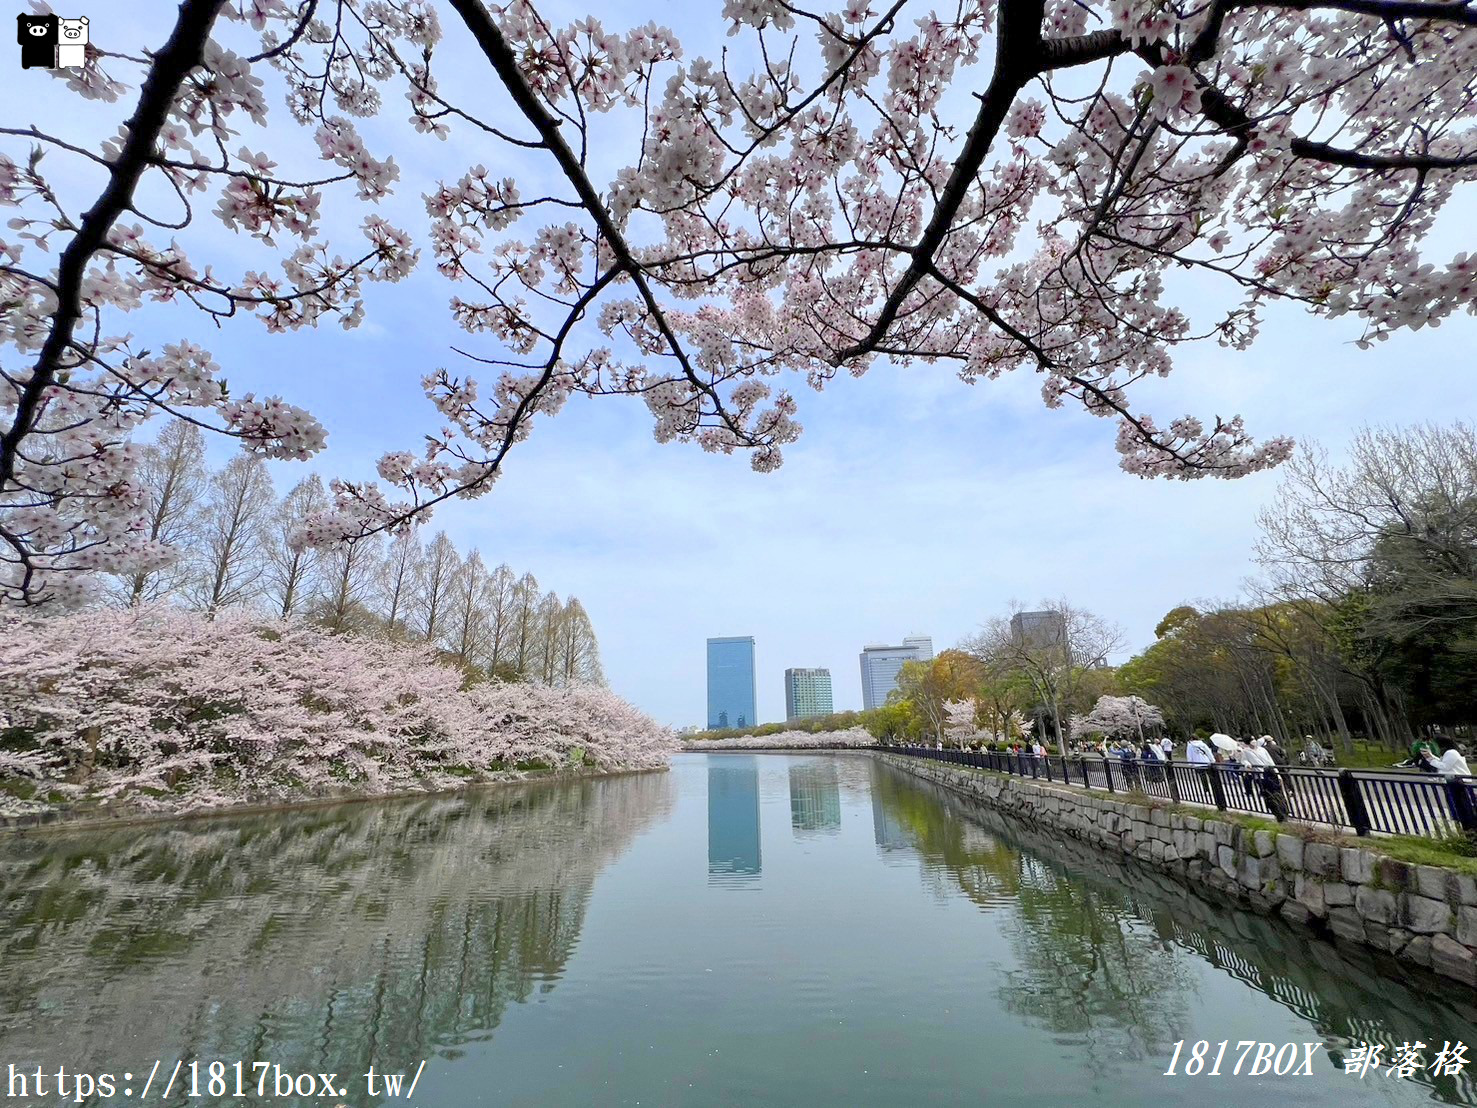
(1418,751)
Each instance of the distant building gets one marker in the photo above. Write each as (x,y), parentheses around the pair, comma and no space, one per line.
(807,693)
(1038,628)
(731,682)
(923,644)
(882,664)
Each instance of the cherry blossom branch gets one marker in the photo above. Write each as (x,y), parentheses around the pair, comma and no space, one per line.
(180,54)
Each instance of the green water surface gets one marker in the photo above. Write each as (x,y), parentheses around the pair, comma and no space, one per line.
(746,929)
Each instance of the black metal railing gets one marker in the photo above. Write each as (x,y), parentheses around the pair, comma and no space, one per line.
(1362,801)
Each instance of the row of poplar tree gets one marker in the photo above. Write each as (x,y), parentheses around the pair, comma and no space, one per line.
(234,536)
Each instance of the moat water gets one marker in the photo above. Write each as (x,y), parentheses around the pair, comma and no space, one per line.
(746,929)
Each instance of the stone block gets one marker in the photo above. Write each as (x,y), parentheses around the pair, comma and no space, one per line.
(1395,876)
(1254,872)
(1309,893)
(1295,911)
(1466,887)
(1466,925)
(1376,935)
(1223,833)
(1338,895)
(1195,823)
(1358,865)
(1226,859)
(1290,851)
(1431,881)
(1376,905)
(1346,923)
(1321,859)
(1264,843)
(1418,950)
(1424,915)
(1451,959)
(1159,817)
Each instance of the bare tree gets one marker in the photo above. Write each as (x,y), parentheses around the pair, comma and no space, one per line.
(228,563)
(1380,551)
(547,619)
(501,586)
(579,652)
(433,584)
(347,573)
(1052,652)
(290,563)
(523,623)
(396,579)
(173,476)
(467,629)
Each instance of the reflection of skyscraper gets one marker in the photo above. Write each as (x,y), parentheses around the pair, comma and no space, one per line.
(733,818)
(887,828)
(731,682)
(815,797)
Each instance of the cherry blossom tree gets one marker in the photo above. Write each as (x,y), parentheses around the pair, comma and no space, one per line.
(171,477)
(1119,717)
(788,740)
(164,707)
(995,186)
(959,725)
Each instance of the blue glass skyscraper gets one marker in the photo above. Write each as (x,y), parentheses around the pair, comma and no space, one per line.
(731,682)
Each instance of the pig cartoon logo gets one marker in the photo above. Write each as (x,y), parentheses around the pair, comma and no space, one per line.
(71,47)
(52,42)
(39,36)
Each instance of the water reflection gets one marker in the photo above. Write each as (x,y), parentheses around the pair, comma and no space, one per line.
(815,797)
(733,819)
(318,940)
(1100,945)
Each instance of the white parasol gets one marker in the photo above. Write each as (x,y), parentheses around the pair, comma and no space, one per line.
(1224,742)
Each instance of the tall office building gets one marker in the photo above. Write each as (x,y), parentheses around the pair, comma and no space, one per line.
(923,644)
(731,682)
(1039,628)
(882,664)
(807,693)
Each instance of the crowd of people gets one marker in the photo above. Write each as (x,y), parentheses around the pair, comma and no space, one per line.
(1261,760)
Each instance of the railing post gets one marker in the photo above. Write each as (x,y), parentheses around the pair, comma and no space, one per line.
(1086,780)
(1108,774)
(1174,782)
(1459,795)
(1354,802)
(1217,787)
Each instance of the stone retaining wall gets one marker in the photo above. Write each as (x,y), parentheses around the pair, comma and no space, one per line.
(1423,914)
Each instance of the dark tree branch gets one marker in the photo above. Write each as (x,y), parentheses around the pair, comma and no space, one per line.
(171,65)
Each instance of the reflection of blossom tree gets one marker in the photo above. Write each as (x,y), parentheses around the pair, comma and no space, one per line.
(324,939)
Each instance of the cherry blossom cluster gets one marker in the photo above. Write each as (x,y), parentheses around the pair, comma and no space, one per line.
(995,186)
(74,388)
(1128,717)
(787,740)
(114,704)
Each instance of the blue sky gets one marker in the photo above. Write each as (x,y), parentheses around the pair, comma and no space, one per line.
(912,504)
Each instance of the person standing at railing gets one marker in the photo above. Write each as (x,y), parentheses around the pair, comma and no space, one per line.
(1197,752)
(1166,747)
(1451,763)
